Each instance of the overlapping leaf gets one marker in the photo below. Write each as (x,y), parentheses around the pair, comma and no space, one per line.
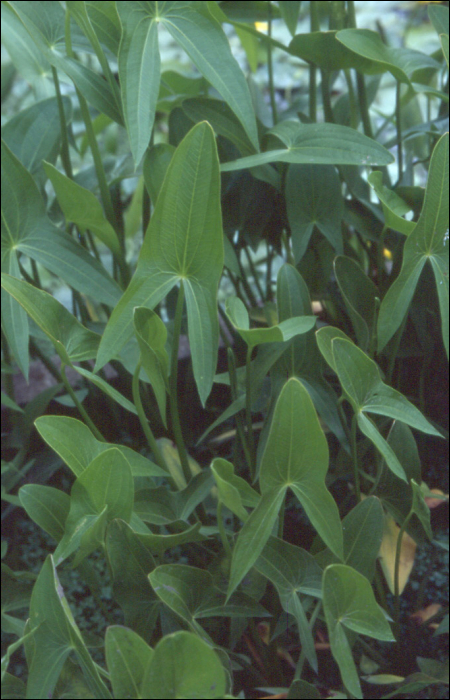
(104,491)
(429,241)
(139,64)
(77,446)
(296,457)
(127,657)
(238,315)
(394,207)
(184,243)
(324,144)
(151,334)
(359,293)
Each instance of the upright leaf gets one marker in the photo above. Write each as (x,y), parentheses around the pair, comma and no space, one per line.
(296,457)
(127,656)
(290,11)
(56,637)
(314,198)
(151,334)
(47,506)
(359,293)
(428,241)
(184,243)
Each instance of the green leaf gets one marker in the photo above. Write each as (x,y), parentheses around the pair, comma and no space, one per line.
(359,294)
(159,544)
(9,403)
(234,492)
(445,46)
(139,72)
(151,334)
(56,637)
(296,457)
(325,144)
(81,207)
(349,602)
(28,230)
(106,23)
(13,688)
(131,563)
(325,337)
(401,62)
(27,58)
(184,242)
(192,595)
(293,570)
(238,315)
(360,378)
(222,119)
(206,44)
(48,507)
(107,389)
(78,447)
(303,690)
(72,341)
(34,134)
(183,666)
(394,207)
(290,11)
(323,50)
(14,317)
(127,657)
(439,17)
(155,166)
(314,198)
(161,506)
(421,509)
(104,491)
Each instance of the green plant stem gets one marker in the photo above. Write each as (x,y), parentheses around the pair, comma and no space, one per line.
(363,104)
(302,657)
(8,378)
(65,154)
(98,163)
(398,550)
(36,275)
(398,125)
(248,412)
(326,96)
(145,212)
(351,13)
(46,362)
(176,425)
(254,273)
(96,432)
(269,292)
(315,27)
(248,290)
(373,336)
(144,422)
(343,417)
(281,518)
(223,534)
(273,102)
(234,396)
(355,460)
(352,100)
(289,255)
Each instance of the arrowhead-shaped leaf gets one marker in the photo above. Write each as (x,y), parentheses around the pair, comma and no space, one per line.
(428,241)
(104,491)
(314,198)
(184,243)
(349,602)
(77,446)
(325,144)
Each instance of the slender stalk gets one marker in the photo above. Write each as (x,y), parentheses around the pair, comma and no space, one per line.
(98,162)
(269,292)
(248,413)
(248,290)
(65,154)
(302,658)
(145,212)
(281,518)
(36,275)
(223,534)
(352,100)
(343,417)
(326,96)
(315,27)
(7,378)
(254,273)
(398,550)
(373,338)
(273,102)
(363,104)
(351,14)
(238,418)
(398,124)
(80,407)
(176,425)
(355,460)
(144,422)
